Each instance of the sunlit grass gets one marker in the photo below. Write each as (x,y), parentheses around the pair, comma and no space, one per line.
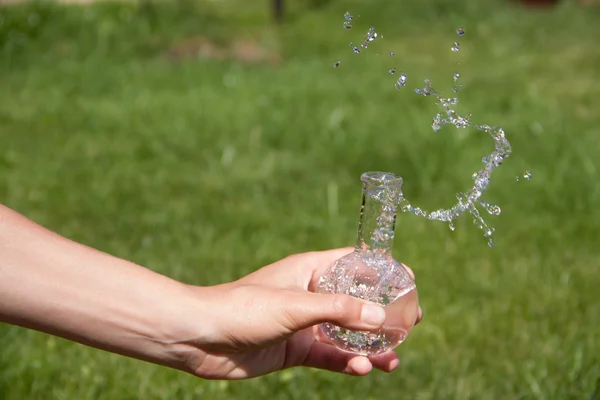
(206,169)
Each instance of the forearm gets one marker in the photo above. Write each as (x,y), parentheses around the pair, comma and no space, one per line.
(57,286)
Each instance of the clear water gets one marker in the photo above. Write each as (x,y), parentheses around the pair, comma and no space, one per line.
(468,201)
(375,276)
(379,279)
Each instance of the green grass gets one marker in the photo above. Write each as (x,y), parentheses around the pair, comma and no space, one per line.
(205,170)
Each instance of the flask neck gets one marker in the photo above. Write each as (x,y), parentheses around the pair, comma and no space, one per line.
(381,195)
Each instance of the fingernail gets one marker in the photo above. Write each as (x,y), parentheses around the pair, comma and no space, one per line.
(372,315)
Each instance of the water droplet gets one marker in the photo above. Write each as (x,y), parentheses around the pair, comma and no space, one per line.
(392,53)
(491,244)
(347,25)
(491,208)
(436,124)
(371,34)
(401,81)
(418,91)
(452,226)
(460,31)
(336,64)
(518,179)
(348,16)
(456,47)
(456,76)
(356,50)
(392,71)
(527,175)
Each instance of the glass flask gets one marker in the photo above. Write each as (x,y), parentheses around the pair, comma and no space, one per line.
(372,274)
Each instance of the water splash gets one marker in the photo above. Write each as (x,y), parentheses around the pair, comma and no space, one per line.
(469,201)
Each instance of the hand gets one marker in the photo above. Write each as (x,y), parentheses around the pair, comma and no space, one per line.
(267,321)
(261,323)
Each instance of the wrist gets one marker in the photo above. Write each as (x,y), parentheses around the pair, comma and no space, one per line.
(179,327)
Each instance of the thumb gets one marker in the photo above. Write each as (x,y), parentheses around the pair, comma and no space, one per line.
(349,312)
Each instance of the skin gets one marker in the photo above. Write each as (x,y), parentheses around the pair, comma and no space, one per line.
(261,323)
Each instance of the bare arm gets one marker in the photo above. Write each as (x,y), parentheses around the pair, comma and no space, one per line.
(259,324)
(57,286)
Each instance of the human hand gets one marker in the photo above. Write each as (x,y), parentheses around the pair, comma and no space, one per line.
(268,321)
(264,322)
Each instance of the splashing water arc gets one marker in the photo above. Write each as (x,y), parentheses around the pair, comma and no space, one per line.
(468,201)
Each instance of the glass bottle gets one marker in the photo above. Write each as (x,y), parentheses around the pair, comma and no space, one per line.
(372,274)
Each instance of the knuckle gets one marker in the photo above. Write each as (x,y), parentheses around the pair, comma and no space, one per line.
(341,303)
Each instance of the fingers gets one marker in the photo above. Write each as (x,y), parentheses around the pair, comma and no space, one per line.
(327,357)
(420,316)
(298,270)
(412,275)
(387,362)
(306,309)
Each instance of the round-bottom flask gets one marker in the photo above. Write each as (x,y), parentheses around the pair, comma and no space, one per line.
(372,274)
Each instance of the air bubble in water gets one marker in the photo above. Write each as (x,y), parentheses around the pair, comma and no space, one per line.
(527,175)
(347,25)
(392,71)
(336,64)
(401,81)
(392,53)
(348,16)
(456,47)
(460,31)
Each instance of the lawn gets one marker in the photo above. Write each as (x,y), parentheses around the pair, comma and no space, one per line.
(202,141)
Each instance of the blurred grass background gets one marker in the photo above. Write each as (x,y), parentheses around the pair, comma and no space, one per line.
(203,141)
